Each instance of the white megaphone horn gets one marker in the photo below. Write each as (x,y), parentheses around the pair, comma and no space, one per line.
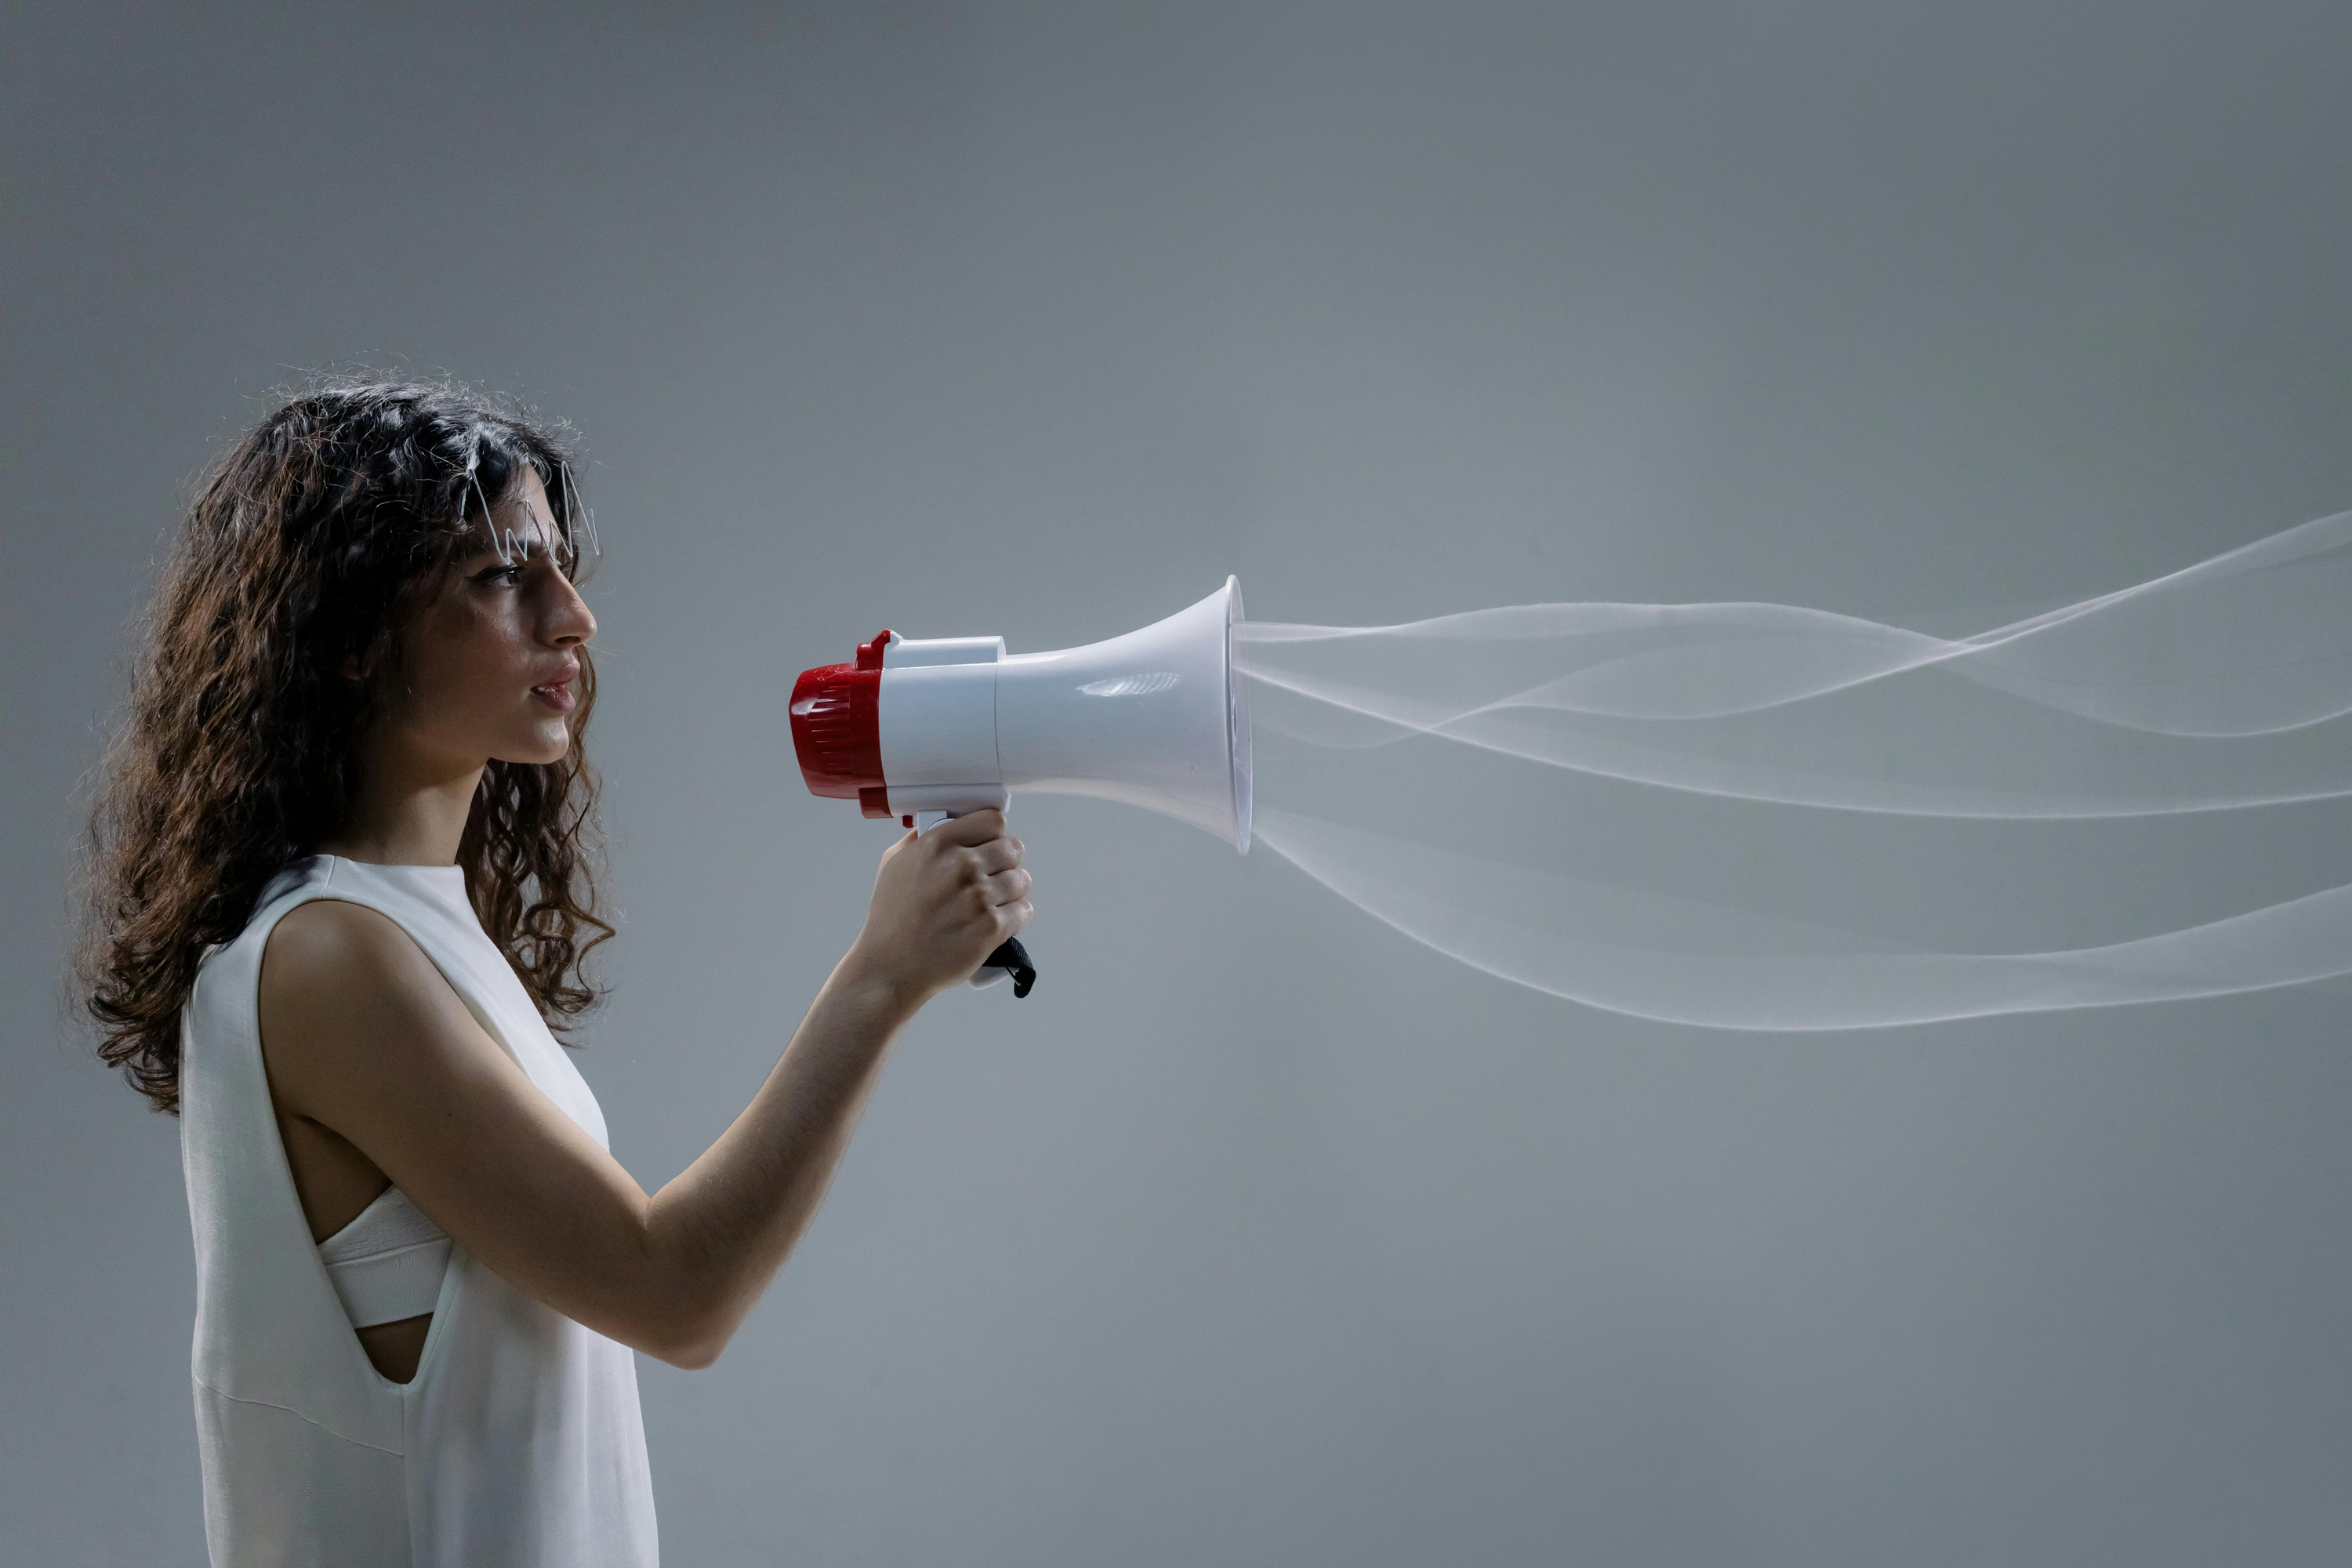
(924,730)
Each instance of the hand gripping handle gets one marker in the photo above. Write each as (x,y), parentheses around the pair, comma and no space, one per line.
(1010,958)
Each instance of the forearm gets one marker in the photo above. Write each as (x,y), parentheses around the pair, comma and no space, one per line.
(718,1233)
(696,1254)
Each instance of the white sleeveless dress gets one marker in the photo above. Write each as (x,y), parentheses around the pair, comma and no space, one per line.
(520,1441)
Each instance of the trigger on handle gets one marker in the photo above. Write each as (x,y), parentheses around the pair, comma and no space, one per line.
(1013,959)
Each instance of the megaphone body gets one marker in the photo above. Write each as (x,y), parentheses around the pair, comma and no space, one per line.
(923,728)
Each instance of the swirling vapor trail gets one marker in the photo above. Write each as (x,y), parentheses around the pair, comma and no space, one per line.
(2225,685)
(2219,686)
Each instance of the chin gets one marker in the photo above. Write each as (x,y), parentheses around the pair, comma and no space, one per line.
(539,749)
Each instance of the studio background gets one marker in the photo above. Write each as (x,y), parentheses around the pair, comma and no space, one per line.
(1257,1235)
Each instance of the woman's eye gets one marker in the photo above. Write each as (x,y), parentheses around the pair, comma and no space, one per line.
(500,576)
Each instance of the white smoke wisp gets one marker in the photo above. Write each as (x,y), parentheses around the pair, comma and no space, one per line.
(2225,685)
(1683,961)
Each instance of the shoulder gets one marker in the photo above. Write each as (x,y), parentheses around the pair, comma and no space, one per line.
(343,984)
(331,946)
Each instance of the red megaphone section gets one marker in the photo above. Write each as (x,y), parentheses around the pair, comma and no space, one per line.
(838,732)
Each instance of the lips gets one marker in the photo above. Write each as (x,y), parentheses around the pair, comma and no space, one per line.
(557,693)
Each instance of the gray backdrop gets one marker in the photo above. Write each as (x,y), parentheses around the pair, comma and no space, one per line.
(1256,1235)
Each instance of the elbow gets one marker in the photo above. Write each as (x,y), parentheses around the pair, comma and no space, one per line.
(682,1311)
(690,1342)
(689,1357)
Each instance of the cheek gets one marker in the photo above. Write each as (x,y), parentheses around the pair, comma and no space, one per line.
(465,667)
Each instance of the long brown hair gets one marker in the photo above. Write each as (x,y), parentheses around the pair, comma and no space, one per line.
(308,547)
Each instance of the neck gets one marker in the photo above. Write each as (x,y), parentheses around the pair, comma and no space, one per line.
(411,809)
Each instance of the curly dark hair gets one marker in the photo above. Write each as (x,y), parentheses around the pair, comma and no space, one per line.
(308,546)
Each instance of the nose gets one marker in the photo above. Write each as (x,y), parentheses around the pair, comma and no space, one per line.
(569,621)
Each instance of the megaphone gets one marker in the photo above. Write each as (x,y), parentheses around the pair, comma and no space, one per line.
(923,730)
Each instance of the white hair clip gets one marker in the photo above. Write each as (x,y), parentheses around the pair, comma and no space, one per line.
(576,515)
(500,537)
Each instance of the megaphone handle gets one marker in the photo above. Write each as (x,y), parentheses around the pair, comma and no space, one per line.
(1010,958)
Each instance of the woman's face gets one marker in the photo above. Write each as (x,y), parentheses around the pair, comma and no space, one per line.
(489,667)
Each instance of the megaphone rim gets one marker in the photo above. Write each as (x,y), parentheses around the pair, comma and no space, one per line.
(1238,750)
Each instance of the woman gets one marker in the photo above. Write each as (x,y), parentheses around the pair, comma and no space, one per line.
(342,893)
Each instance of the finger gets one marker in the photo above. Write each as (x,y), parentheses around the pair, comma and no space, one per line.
(974,828)
(1010,919)
(997,855)
(1007,887)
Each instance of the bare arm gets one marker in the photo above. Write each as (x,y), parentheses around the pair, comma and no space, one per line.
(363,1036)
